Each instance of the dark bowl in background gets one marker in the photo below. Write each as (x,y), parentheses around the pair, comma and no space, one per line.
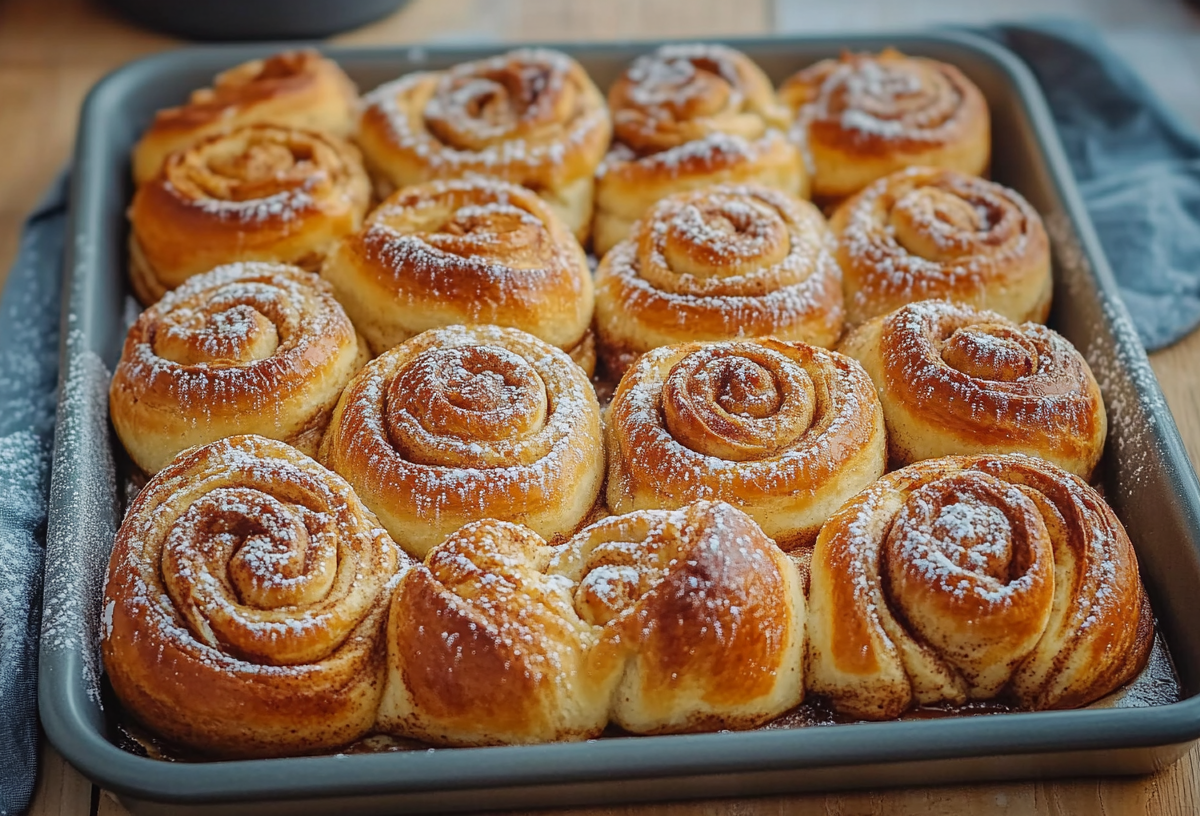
(254,19)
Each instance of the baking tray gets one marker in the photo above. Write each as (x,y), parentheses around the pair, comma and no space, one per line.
(1148,479)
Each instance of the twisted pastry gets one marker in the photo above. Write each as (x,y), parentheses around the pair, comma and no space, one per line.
(928,233)
(686,117)
(661,622)
(732,261)
(292,89)
(698,618)
(784,431)
(245,604)
(864,116)
(485,648)
(470,251)
(261,193)
(531,117)
(966,578)
(466,423)
(246,348)
(956,380)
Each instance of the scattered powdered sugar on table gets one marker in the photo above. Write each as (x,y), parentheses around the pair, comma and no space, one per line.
(24,460)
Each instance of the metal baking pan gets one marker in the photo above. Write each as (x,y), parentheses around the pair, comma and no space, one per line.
(1147,478)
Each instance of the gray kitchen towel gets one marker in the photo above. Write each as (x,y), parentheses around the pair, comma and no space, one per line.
(1138,168)
(29,315)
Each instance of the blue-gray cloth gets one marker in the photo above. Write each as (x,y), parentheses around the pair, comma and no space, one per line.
(29,315)
(1138,169)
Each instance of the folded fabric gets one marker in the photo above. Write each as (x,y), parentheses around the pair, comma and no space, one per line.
(29,315)
(1138,168)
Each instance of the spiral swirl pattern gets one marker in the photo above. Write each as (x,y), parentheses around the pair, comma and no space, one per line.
(957,380)
(685,92)
(261,193)
(467,423)
(698,618)
(292,89)
(685,117)
(468,251)
(531,117)
(784,431)
(246,348)
(245,603)
(733,261)
(966,578)
(926,233)
(864,116)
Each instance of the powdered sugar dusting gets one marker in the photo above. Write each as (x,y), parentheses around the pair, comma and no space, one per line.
(907,238)
(243,582)
(498,116)
(517,420)
(888,98)
(685,269)
(827,414)
(81,529)
(244,336)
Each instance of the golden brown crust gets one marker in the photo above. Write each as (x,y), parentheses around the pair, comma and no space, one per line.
(732,261)
(484,647)
(957,380)
(658,621)
(466,423)
(864,116)
(698,618)
(926,233)
(965,578)
(463,251)
(295,89)
(531,117)
(685,117)
(246,348)
(245,604)
(261,193)
(784,431)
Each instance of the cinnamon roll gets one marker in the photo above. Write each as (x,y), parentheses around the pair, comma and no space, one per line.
(246,602)
(467,423)
(784,431)
(928,233)
(697,618)
(246,348)
(293,89)
(731,261)
(969,578)
(863,116)
(485,648)
(531,117)
(956,380)
(261,193)
(686,117)
(465,251)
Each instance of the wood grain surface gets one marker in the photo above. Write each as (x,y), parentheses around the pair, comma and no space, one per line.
(51,51)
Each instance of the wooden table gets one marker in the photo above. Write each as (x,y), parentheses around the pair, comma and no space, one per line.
(51,51)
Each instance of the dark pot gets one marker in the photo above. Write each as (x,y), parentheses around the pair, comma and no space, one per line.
(254,19)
